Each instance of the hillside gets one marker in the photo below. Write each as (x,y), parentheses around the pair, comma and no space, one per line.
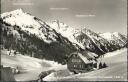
(54,41)
(29,67)
(32,46)
(33,37)
(99,43)
(116,70)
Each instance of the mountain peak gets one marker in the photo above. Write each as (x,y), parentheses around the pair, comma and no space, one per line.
(116,33)
(17,17)
(18,10)
(57,25)
(14,12)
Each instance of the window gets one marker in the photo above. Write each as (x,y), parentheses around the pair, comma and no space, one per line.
(76,60)
(72,60)
(74,65)
(75,55)
(79,60)
(81,66)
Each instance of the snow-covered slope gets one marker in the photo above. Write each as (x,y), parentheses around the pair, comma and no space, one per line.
(24,62)
(29,67)
(115,38)
(116,70)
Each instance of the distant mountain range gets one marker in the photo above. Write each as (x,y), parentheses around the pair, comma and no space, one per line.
(98,43)
(30,35)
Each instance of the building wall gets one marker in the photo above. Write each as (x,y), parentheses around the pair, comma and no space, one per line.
(75,63)
(6,74)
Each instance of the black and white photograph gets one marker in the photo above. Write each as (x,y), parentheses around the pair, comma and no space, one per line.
(63,40)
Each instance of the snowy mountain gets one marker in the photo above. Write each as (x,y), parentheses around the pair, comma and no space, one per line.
(66,31)
(92,41)
(27,34)
(29,24)
(89,40)
(115,39)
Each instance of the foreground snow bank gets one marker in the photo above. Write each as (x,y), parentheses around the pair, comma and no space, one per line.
(57,75)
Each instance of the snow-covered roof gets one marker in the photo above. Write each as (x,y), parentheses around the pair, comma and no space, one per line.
(85,57)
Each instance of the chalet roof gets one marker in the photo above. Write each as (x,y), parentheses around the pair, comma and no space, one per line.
(89,55)
(86,56)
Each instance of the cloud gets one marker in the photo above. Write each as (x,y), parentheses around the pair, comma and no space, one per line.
(23,4)
(59,8)
(82,16)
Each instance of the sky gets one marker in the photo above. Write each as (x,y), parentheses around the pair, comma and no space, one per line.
(97,15)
